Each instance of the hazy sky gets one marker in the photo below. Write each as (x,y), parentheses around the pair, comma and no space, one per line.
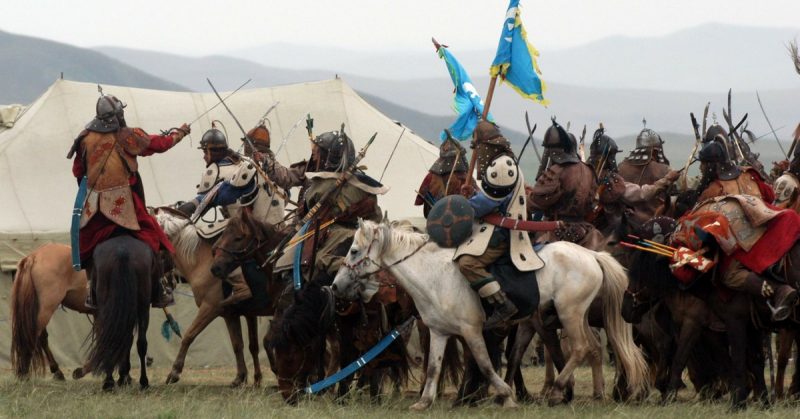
(200,27)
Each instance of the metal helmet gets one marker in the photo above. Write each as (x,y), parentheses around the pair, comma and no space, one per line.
(260,137)
(452,158)
(337,153)
(648,138)
(603,151)
(109,114)
(213,139)
(491,144)
(718,163)
(559,146)
(713,131)
(500,178)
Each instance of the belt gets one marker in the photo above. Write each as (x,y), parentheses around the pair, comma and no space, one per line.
(524,225)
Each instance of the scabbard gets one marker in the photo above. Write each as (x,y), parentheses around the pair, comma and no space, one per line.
(523,225)
(74,233)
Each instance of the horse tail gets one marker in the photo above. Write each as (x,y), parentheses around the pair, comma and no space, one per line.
(620,333)
(27,355)
(116,316)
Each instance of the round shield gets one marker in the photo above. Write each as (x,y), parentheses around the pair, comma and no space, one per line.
(450,221)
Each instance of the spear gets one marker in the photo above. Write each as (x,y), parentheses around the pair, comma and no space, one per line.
(697,140)
(761,105)
(581,146)
(392,155)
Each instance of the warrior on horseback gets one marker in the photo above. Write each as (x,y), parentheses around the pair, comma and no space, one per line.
(503,191)
(645,165)
(105,153)
(229,181)
(445,177)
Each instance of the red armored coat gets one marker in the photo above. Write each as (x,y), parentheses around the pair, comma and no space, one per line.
(116,195)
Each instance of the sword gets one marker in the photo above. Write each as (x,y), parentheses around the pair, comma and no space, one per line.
(218,103)
(264,117)
(530,137)
(770,125)
(289,134)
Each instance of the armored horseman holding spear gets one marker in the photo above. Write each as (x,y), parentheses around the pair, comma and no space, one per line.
(105,166)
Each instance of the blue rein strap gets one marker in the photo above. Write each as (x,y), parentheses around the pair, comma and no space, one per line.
(74,233)
(298,257)
(360,362)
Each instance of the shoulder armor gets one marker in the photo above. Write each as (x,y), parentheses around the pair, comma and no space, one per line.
(785,187)
(209,179)
(244,173)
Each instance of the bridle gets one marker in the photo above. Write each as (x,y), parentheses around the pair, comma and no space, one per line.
(367,260)
(253,246)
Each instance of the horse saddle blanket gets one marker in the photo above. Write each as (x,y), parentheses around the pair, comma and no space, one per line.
(521,287)
(212,229)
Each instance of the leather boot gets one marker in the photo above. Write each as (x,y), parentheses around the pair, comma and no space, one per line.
(240,290)
(781,297)
(504,310)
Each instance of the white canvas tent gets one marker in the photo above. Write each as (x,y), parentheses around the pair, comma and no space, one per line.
(37,189)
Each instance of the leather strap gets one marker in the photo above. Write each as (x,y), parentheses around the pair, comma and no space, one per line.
(524,225)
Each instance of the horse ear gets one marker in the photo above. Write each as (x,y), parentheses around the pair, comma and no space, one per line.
(386,217)
(360,223)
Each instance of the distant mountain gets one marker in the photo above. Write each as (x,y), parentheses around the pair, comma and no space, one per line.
(29,65)
(706,58)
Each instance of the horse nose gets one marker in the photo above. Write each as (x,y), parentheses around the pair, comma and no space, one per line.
(334,287)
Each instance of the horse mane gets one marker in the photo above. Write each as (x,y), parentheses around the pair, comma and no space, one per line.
(402,237)
(181,233)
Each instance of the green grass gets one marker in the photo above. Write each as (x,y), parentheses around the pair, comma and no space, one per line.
(205,394)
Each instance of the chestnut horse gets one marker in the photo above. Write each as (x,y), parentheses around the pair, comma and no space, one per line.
(44,280)
(193,259)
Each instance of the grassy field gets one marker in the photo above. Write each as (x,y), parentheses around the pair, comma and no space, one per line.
(205,394)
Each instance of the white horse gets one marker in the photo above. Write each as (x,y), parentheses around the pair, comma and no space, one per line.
(571,278)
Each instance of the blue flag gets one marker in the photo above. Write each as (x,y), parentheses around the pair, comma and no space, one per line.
(515,62)
(467,102)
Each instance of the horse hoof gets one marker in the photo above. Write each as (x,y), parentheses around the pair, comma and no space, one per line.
(257,380)
(144,384)
(77,373)
(108,386)
(556,398)
(509,403)
(237,382)
(173,378)
(59,376)
(124,381)
(420,406)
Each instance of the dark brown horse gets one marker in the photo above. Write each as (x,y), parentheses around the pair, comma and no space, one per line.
(122,270)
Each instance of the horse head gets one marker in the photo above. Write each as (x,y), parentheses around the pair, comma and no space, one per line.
(364,258)
(241,240)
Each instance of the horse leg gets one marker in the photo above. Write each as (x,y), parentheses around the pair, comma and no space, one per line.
(237,342)
(737,341)
(794,387)
(576,328)
(596,363)
(268,348)
(124,373)
(141,341)
(434,368)
(755,363)
(51,360)
(785,340)
(554,357)
(687,338)
(252,342)
(108,382)
(474,339)
(522,339)
(205,314)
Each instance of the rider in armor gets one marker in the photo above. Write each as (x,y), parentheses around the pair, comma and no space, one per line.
(229,181)
(323,252)
(445,176)
(503,191)
(564,191)
(611,186)
(645,165)
(723,177)
(720,175)
(105,152)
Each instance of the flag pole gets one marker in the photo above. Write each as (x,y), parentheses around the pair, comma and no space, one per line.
(474,157)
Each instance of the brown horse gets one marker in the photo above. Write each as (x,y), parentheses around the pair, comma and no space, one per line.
(123,269)
(44,280)
(193,259)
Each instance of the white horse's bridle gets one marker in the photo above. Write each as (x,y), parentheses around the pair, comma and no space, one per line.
(353,267)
